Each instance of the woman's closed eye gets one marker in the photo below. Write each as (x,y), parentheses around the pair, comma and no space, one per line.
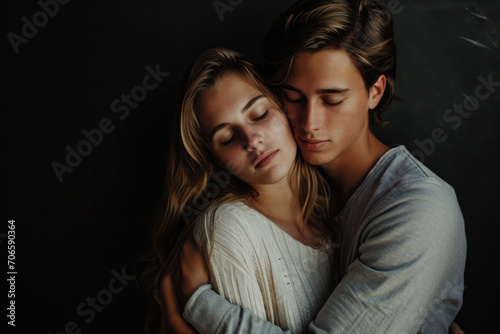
(264,115)
(234,135)
(229,141)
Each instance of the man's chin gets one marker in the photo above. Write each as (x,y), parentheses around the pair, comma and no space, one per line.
(314,158)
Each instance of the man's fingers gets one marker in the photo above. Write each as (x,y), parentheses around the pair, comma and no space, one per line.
(455,329)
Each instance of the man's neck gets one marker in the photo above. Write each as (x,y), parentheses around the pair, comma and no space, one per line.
(347,171)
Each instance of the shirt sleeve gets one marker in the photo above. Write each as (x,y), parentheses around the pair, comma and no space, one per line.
(411,265)
(231,249)
(208,312)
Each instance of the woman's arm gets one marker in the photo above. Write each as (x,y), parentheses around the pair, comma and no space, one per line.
(192,274)
(171,319)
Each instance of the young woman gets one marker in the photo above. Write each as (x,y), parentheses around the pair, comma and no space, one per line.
(258,212)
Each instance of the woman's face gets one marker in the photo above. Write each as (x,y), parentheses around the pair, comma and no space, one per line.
(246,132)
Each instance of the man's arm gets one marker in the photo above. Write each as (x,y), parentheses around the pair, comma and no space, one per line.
(409,273)
(410,268)
(208,312)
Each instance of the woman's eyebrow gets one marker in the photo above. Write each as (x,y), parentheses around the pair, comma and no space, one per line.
(247,106)
(251,102)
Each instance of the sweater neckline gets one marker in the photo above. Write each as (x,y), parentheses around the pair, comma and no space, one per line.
(275,228)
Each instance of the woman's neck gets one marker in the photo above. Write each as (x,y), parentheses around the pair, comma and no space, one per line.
(276,201)
(281,205)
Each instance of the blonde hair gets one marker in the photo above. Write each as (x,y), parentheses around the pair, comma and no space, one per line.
(363,29)
(191,171)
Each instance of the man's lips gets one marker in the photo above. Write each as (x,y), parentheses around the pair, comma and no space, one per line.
(312,144)
(265,159)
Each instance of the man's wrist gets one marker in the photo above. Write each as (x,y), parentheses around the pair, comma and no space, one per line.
(188,290)
(206,309)
(192,299)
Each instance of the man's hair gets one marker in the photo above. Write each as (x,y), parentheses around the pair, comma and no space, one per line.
(363,29)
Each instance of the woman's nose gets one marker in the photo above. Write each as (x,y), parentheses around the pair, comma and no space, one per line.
(253,141)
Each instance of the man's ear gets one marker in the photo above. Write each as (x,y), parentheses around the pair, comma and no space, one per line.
(376,91)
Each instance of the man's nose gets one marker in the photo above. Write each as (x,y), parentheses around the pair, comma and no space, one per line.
(312,116)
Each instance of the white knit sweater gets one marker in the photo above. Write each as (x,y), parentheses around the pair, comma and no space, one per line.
(257,265)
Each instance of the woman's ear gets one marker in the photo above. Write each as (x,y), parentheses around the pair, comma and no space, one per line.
(376,92)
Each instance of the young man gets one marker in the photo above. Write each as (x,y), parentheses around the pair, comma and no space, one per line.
(402,250)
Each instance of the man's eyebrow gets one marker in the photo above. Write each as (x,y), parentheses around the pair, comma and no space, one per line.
(288,87)
(247,106)
(319,91)
(332,90)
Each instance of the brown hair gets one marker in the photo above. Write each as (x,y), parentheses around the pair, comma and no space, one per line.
(191,170)
(363,29)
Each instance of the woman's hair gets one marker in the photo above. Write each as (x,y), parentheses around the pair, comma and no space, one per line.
(363,29)
(195,183)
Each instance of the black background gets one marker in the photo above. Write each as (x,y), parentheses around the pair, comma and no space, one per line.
(71,235)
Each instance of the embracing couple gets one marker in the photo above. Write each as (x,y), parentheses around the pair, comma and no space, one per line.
(320,226)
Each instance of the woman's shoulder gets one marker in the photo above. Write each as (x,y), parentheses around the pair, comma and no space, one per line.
(233,218)
(230,211)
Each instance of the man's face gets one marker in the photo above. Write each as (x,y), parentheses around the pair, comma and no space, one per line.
(327,102)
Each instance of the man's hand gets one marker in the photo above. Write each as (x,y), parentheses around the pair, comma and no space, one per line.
(455,329)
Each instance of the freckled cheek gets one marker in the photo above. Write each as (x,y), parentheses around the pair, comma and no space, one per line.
(336,124)
(234,164)
(294,119)
(296,127)
(278,126)
(283,137)
(292,112)
(347,124)
(224,156)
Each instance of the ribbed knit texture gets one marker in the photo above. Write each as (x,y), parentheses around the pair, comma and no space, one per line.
(259,266)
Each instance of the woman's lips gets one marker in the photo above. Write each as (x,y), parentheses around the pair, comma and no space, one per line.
(265,159)
(312,144)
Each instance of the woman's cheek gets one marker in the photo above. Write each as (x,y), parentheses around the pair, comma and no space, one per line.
(234,166)
(278,125)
